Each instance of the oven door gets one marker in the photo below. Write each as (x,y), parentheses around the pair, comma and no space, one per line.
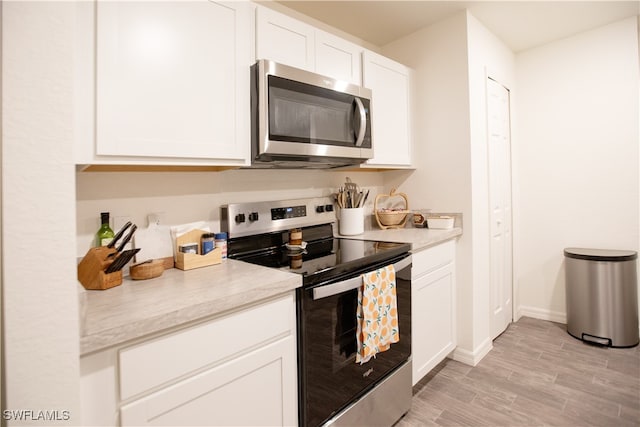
(330,378)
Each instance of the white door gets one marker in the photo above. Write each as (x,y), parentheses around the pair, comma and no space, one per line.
(499,159)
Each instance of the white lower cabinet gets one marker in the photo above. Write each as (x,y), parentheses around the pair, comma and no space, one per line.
(239,369)
(433,312)
(253,389)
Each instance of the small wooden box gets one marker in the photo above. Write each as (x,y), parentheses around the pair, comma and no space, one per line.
(91,269)
(188,261)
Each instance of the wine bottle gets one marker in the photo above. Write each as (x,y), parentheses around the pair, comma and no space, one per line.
(105,233)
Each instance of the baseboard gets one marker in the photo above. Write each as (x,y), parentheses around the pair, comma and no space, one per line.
(552,316)
(472,358)
(539,313)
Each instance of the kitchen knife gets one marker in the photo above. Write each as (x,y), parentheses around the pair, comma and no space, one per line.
(119,234)
(126,239)
(122,260)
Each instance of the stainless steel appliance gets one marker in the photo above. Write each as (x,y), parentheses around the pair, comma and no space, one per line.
(333,388)
(305,120)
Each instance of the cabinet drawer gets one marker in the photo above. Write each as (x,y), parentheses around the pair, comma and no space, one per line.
(429,259)
(166,358)
(258,388)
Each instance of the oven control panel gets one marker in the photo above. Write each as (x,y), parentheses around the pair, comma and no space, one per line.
(289,212)
(247,219)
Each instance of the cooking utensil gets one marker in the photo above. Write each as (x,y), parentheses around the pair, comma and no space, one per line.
(126,239)
(121,260)
(119,234)
(364,200)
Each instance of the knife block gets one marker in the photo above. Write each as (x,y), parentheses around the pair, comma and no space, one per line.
(91,269)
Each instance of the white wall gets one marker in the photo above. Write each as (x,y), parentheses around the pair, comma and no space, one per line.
(450,61)
(40,304)
(488,56)
(197,196)
(576,157)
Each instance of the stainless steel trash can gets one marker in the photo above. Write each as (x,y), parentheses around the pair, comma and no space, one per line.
(602,296)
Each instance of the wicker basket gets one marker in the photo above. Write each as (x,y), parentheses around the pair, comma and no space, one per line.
(391,218)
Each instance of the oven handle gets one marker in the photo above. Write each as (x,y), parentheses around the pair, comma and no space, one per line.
(353,283)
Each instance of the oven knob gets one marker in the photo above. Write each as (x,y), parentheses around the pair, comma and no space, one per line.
(320,209)
(240,218)
(328,208)
(253,216)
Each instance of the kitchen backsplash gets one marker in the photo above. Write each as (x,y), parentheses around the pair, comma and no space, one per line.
(183,197)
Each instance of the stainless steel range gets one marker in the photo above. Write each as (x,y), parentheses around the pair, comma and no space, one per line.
(333,388)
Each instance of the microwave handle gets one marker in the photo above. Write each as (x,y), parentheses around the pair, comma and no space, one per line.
(349,284)
(363,121)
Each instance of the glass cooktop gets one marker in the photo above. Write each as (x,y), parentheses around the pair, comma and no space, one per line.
(328,259)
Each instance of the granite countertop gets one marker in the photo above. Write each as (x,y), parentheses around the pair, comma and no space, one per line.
(419,238)
(139,308)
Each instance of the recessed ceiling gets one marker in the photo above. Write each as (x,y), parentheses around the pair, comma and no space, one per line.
(520,24)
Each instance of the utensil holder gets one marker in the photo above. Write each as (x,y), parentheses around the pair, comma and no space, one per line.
(351,221)
(188,261)
(91,269)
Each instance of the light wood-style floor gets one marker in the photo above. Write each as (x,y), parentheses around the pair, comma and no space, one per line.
(536,374)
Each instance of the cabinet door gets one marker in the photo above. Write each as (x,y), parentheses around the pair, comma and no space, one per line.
(172,79)
(433,323)
(389,83)
(283,39)
(258,388)
(338,58)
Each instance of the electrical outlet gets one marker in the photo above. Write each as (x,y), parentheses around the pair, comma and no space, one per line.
(156,218)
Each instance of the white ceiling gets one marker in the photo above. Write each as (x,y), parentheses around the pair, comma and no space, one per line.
(520,24)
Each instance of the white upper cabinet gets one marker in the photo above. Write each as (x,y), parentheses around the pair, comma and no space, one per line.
(338,58)
(171,82)
(288,41)
(283,39)
(389,82)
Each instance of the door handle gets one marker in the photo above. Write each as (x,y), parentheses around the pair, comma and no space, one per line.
(361,114)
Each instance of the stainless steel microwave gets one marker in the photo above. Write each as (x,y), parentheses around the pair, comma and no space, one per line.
(304,120)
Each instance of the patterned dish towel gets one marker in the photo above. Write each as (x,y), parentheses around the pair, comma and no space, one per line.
(377,313)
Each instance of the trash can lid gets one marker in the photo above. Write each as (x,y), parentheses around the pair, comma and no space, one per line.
(600,254)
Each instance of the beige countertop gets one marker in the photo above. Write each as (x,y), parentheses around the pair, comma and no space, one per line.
(139,308)
(419,238)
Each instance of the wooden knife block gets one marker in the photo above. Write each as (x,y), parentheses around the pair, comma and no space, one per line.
(91,269)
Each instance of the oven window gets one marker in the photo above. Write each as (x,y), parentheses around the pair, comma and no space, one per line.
(330,376)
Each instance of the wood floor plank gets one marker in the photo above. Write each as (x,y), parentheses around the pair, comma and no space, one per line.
(536,374)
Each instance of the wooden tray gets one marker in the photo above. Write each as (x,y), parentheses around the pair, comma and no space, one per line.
(187,261)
